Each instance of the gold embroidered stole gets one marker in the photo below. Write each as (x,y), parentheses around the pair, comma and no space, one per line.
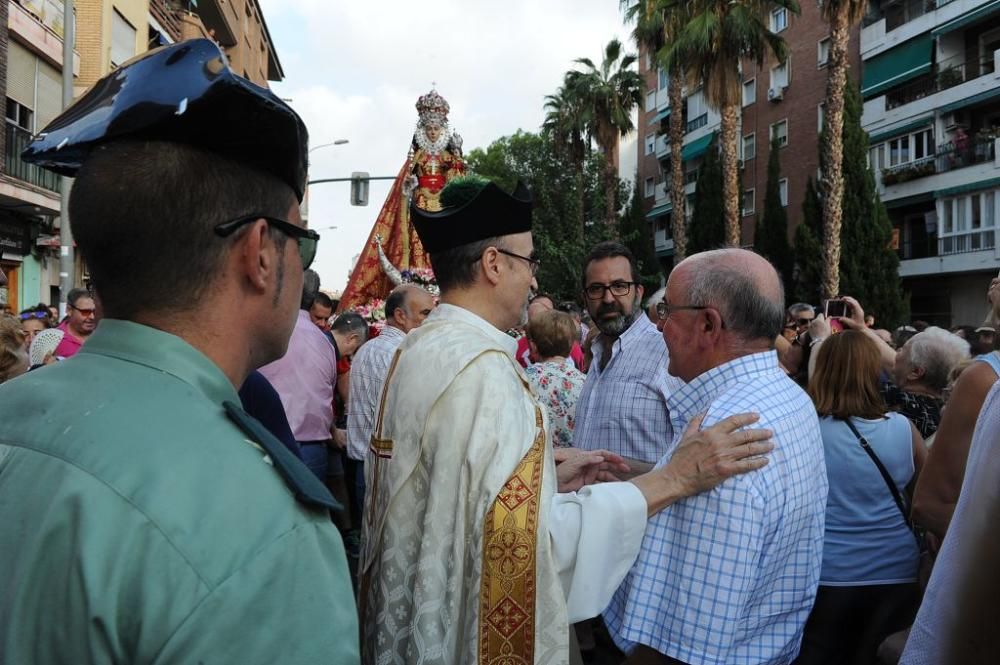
(510,539)
(381,448)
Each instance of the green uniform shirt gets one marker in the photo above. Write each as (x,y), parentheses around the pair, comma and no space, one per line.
(140,525)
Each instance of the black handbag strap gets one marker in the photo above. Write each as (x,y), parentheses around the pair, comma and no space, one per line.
(885,474)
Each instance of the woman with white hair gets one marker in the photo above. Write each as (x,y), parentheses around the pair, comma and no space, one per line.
(936,494)
(920,375)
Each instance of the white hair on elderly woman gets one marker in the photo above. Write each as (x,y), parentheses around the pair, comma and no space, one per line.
(937,351)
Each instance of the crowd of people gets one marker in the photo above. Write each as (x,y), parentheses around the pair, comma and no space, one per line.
(227,471)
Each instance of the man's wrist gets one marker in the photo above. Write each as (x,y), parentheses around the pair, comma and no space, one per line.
(660,487)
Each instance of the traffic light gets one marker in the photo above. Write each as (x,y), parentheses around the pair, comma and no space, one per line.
(359,188)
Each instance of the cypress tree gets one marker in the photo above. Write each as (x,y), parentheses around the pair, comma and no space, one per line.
(707,228)
(808,251)
(869,267)
(770,238)
(637,234)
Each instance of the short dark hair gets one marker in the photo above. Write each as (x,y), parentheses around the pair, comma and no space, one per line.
(75,295)
(570,307)
(143,214)
(323,300)
(456,267)
(310,287)
(609,250)
(350,323)
(396,300)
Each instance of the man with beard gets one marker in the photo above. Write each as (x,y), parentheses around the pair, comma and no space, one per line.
(623,406)
(470,554)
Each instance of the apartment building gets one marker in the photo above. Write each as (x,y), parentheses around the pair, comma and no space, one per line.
(782,99)
(31,36)
(931,90)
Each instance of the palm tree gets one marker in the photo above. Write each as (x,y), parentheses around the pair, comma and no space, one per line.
(565,123)
(607,94)
(653,28)
(841,15)
(711,45)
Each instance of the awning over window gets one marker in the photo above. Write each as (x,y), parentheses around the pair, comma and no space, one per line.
(967,18)
(660,210)
(697,148)
(971,101)
(991,183)
(665,113)
(878,137)
(898,65)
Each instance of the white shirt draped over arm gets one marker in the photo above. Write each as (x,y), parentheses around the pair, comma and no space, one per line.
(596,534)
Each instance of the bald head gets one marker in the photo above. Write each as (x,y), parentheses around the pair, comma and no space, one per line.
(743,286)
(407,306)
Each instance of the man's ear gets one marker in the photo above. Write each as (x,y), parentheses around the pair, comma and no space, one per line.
(258,255)
(489,265)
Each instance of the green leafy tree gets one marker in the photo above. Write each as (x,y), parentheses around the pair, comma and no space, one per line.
(770,238)
(546,170)
(719,35)
(636,234)
(654,27)
(565,124)
(608,94)
(869,267)
(808,269)
(707,229)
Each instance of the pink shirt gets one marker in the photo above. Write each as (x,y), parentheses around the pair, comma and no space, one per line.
(69,344)
(305,378)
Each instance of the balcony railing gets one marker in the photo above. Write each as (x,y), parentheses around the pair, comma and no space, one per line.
(973,241)
(17,141)
(943,75)
(950,156)
(694,124)
(959,154)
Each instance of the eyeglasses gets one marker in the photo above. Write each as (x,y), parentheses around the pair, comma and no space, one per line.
(663,309)
(596,291)
(34,315)
(86,312)
(532,261)
(803,322)
(305,238)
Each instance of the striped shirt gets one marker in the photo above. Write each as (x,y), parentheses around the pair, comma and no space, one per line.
(368,372)
(623,408)
(729,576)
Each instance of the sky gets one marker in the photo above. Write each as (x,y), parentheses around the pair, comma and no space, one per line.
(354,70)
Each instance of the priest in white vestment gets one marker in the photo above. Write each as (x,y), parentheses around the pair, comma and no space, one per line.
(476,548)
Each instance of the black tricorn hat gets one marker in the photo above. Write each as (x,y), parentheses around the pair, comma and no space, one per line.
(489,214)
(182,93)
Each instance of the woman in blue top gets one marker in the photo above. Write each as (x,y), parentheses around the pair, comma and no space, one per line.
(868,583)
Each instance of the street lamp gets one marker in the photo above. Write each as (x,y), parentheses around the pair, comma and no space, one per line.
(324,145)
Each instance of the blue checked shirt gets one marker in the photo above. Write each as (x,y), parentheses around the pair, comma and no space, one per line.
(624,407)
(368,372)
(729,576)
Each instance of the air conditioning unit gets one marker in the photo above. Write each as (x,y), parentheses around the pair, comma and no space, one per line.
(775,94)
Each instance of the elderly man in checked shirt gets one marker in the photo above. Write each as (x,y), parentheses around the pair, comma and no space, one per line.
(405,309)
(729,576)
(623,404)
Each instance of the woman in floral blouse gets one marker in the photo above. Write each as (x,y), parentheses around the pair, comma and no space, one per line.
(554,379)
